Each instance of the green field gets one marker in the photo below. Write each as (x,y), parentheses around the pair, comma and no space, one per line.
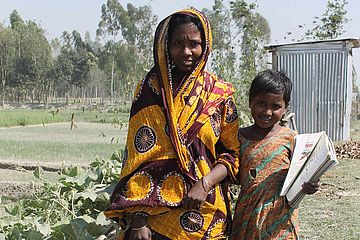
(333,212)
(57,136)
(57,144)
(16,117)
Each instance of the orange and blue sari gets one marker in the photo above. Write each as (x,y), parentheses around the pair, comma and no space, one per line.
(261,213)
(173,141)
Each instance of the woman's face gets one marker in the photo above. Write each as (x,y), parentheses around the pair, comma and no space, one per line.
(185,46)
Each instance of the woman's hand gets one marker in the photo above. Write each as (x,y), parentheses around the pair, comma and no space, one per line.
(195,197)
(311,187)
(199,191)
(139,229)
(144,233)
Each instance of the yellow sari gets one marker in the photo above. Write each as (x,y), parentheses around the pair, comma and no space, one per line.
(172,142)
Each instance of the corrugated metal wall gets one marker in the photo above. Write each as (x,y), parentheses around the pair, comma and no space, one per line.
(321,98)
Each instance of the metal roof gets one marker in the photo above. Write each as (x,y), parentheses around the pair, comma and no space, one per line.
(350,42)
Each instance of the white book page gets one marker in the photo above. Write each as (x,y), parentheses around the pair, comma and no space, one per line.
(319,156)
(332,151)
(304,145)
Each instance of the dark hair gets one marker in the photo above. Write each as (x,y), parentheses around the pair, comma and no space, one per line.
(179,19)
(270,81)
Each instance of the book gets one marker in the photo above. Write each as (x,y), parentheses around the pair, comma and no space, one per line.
(313,155)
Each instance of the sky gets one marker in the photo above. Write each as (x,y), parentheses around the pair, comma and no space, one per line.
(56,16)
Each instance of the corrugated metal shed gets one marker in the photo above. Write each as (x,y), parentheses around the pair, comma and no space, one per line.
(322,75)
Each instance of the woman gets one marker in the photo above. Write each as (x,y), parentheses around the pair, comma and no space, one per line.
(181,141)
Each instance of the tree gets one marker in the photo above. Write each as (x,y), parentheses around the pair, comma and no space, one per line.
(331,24)
(27,67)
(63,71)
(110,25)
(223,58)
(55,47)
(17,24)
(74,64)
(238,28)
(95,45)
(33,59)
(135,27)
(7,58)
(256,34)
(39,51)
(83,61)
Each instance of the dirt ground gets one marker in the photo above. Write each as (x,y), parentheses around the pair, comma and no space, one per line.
(17,190)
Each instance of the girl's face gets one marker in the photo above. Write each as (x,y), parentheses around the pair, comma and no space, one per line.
(185,47)
(267,109)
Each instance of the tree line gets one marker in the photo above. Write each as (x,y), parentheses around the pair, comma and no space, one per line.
(34,69)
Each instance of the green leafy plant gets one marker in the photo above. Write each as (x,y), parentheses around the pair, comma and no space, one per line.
(331,24)
(71,208)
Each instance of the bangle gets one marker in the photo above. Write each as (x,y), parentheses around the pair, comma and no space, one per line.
(139,228)
(205,182)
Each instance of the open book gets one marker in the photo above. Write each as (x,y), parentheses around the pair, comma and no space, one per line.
(313,155)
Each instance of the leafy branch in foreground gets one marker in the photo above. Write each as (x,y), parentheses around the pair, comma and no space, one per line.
(70,208)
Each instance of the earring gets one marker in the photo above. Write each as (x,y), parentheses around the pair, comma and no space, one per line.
(172,65)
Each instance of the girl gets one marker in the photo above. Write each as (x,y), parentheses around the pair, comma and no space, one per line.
(266,148)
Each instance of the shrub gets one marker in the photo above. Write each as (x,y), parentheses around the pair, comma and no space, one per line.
(70,208)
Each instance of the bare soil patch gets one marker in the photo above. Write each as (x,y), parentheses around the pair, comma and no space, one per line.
(18,189)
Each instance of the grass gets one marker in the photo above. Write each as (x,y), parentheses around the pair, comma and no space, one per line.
(116,115)
(42,141)
(22,118)
(355,130)
(333,212)
(30,137)
(56,143)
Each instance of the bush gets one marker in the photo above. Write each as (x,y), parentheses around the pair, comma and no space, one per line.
(70,208)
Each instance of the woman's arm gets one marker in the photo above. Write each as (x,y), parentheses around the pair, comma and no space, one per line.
(227,163)
(199,191)
(228,146)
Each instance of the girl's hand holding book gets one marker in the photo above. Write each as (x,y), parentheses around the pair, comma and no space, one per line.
(311,187)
